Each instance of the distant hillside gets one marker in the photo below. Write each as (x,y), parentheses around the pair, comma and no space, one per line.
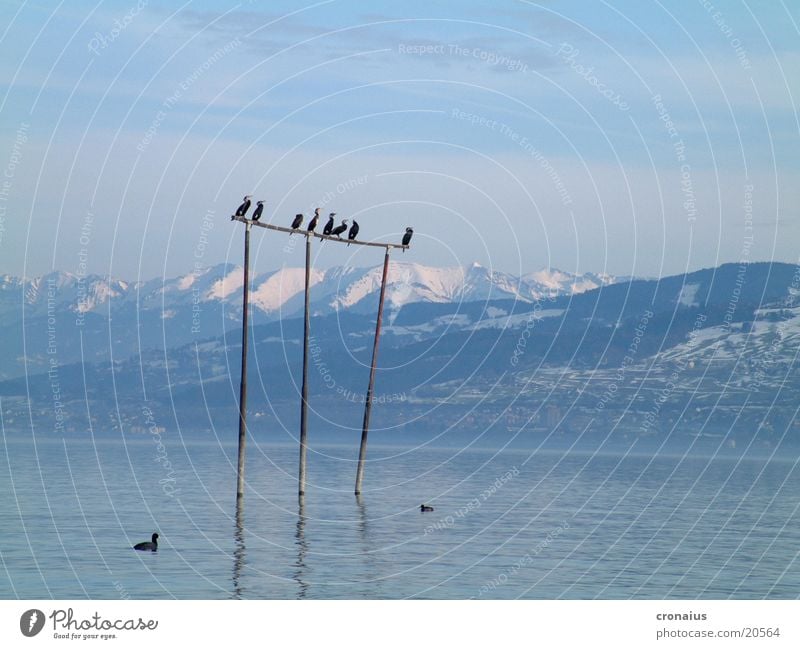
(76,313)
(713,352)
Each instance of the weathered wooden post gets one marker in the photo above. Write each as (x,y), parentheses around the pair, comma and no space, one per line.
(301,475)
(362,453)
(243,382)
(239,550)
(302,549)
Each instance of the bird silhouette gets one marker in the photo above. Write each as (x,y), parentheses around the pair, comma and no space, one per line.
(298,219)
(407,236)
(242,209)
(258,210)
(353,233)
(337,231)
(329,225)
(314,219)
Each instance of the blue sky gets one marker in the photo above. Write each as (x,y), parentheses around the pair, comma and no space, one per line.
(634,138)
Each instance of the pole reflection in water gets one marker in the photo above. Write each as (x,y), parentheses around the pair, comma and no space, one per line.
(302,549)
(239,550)
(371,585)
(362,520)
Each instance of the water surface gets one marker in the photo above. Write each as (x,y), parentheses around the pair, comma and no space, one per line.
(507,524)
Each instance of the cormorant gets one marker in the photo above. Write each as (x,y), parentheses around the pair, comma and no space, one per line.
(259,209)
(353,231)
(242,209)
(329,225)
(425,508)
(313,223)
(337,231)
(407,236)
(150,546)
(298,219)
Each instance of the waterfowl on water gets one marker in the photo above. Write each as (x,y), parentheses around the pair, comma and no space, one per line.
(148,546)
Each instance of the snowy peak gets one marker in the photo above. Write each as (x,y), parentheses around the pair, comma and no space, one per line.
(280,293)
(410,282)
(550,282)
(272,291)
(59,290)
(229,283)
(200,282)
(342,288)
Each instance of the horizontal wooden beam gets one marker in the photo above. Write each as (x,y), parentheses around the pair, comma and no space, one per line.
(325,237)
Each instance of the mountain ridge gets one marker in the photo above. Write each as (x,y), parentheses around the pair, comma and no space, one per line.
(642,357)
(276,292)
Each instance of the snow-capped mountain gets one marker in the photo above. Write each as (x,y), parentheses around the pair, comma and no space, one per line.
(555,282)
(479,341)
(279,293)
(84,316)
(58,290)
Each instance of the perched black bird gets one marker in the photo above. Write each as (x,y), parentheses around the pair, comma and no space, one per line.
(353,231)
(259,209)
(313,223)
(329,225)
(337,231)
(407,236)
(242,209)
(425,508)
(146,546)
(298,219)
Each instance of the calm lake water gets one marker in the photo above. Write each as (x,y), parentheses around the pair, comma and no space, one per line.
(507,524)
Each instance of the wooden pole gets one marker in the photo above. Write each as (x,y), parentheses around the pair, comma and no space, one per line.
(362,453)
(304,399)
(239,550)
(301,474)
(302,550)
(243,382)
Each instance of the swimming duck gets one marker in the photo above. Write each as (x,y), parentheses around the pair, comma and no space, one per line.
(145,546)
(425,508)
